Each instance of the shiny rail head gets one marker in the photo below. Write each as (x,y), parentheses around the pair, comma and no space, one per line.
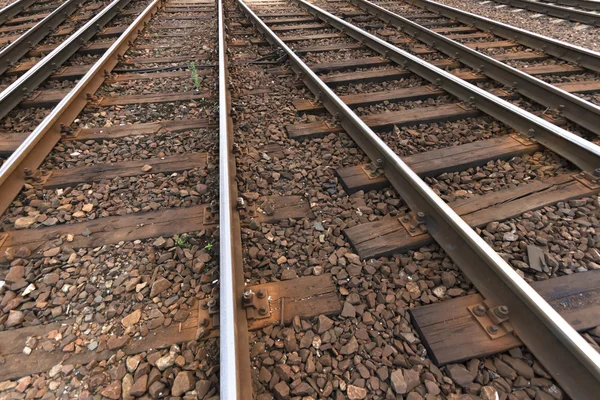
(230,373)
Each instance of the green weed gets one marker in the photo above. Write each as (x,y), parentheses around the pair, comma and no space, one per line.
(195,77)
(182,240)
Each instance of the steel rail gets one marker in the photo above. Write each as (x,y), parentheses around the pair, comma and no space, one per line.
(576,109)
(234,352)
(584,4)
(17,49)
(579,151)
(567,356)
(34,149)
(13,9)
(18,90)
(553,10)
(578,55)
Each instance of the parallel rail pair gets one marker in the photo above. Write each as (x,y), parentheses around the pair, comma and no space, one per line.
(11,96)
(235,370)
(559,10)
(38,144)
(570,359)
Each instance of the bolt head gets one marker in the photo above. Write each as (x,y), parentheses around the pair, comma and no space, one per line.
(261,293)
(248,296)
(493,329)
(479,310)
(502,311)
(262,310)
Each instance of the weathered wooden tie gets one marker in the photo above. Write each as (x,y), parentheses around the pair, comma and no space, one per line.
(436,162)
(451,333)
(388,236)
(415,116)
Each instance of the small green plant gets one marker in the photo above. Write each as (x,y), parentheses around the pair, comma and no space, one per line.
(155,34)
(182,240)
(208,246)
(195,77)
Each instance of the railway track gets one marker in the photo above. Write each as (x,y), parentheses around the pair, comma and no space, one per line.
(346,69)
(265,195)
(522,62)
(41,79)
(142,113)
(13,9)
(573,10)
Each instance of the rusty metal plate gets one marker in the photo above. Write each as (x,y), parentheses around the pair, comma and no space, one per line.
(413,226)
(210,218)
(587,180)
(494,329)
(523,139)
(368,170)
(257,304)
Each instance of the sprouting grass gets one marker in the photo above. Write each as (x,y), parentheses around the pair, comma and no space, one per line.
(195,77)
(182,240)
